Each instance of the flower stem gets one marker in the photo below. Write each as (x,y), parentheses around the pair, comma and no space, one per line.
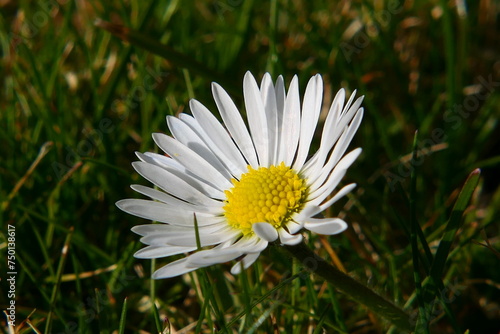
(350,286)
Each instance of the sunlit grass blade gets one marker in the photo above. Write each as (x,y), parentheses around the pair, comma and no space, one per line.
(177,58)
(42,153)
(262,318)
(112,85)
(122,171)
(55,289)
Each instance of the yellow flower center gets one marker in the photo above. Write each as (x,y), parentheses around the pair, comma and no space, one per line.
(268,195)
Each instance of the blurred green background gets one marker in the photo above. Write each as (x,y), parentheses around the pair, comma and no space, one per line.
(78,100)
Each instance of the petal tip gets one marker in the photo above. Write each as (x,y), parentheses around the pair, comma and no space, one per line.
(265,231)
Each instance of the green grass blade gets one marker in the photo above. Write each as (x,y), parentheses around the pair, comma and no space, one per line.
(177,58)
(422,325)
(55,289)
(264,297)
(156,316)
(266,314)
(233,39)
(204,307)
(319,328)
(453,224)
(118,74)
(272,59)
(121,328)
(152,289)
(337,310)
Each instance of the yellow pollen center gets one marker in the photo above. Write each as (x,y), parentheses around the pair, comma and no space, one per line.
(268,195)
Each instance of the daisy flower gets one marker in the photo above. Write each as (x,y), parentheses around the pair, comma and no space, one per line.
(246,186)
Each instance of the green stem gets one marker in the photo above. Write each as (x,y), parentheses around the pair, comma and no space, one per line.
(350,286)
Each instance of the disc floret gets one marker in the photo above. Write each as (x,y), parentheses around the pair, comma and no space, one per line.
(267,194)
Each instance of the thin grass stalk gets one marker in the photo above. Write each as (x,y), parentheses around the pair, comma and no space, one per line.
(349,286)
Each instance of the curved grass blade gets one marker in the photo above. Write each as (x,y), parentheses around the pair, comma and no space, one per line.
(55,289)
(453,225)
(177,58)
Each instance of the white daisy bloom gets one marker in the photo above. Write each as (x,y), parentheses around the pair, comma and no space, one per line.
(246,186)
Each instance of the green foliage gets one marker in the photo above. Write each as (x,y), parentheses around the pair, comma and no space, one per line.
(78,100)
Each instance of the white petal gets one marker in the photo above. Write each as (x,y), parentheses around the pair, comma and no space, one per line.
(155,211)
(315,170)
(269,100)
(343,142)
(295,225)
(279,89)
(171,200)
(219,153)
(173,269)
(160,160)
(192,161)
(308,211)
(290,130)
(247,261)
(173,184)
(223,146)
(181,172)
(311,108)
(348,133)
(265,231)
(335,110)
(209,257)
(335,176)
(155,232)
(256,118)
(235,124)
(226,253)
(349,159)
(173,167)
(317,196)
(348,104)
(289,239)
(187,136)
(164,213)
(249,244)
(155,252)
(331,133)
(341,193)
(157,229)
(349,114)
(205,240)
(312,209)
(327,226)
